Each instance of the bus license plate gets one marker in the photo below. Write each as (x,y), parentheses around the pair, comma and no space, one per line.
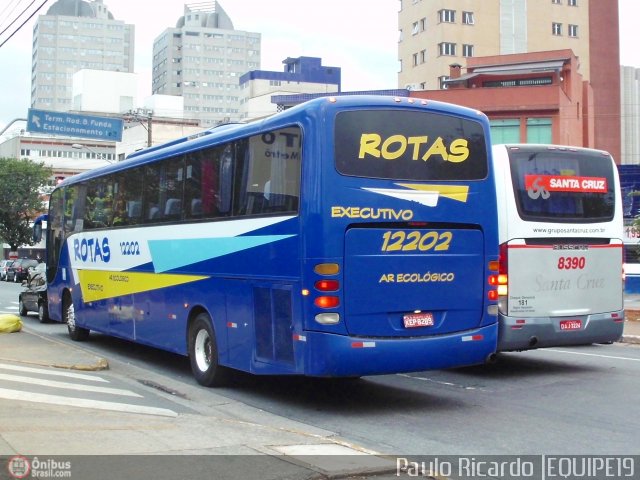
(414,320)
(571,325)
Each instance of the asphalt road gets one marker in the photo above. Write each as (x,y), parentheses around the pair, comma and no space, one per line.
(580,400)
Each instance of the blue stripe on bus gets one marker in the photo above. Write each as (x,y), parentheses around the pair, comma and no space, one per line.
(174,253)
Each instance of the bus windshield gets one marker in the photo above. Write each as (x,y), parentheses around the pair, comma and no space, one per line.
(558,186)
(394,145)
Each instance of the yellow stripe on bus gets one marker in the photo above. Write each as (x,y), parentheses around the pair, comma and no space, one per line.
(454,192)
(99,285)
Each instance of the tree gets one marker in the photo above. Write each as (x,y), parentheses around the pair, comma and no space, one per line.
(20,200)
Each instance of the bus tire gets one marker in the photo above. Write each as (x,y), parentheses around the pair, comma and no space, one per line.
(203,353)
(76,333)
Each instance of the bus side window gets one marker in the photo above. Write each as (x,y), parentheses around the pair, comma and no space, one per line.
(154,212)
(74,210)
(151,194)
(225,187)
(197,180)
(134,210)
(268,184)
(173,208)
(171,190)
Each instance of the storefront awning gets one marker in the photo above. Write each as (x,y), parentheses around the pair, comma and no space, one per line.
(510,70)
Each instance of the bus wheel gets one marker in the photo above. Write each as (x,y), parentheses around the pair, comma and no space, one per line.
(203,353)
(77,334)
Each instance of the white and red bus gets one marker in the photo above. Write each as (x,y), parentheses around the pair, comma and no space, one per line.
(561,246)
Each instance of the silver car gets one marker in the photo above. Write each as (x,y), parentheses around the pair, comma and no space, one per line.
(4,265)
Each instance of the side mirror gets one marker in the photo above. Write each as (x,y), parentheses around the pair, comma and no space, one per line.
(37,232)
(37,227)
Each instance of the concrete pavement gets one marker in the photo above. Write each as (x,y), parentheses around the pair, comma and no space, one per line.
(631,333)
(223,427)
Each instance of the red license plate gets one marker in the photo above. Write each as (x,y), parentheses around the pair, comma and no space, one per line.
(571,325)
(414,320)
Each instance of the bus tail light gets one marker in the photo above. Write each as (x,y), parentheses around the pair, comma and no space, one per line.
(327,302)
(327,269)
(500,280)
(327,285)
(328,318)
(324,286)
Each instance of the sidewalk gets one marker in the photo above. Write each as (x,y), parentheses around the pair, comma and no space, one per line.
(631,333)
(218,434)
(221,426)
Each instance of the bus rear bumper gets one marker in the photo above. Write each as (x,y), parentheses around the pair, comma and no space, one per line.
(518,333)
(330,355)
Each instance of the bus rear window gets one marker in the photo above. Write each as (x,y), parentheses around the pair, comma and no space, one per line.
(560,186)
(409,145)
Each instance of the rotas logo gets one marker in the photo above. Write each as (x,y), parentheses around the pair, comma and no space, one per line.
(92,250)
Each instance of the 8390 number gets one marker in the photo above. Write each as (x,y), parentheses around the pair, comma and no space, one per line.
(571,263)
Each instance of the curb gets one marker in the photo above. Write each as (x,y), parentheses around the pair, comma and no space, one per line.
(632,314)
(100,364)
(632,339)
(94,362)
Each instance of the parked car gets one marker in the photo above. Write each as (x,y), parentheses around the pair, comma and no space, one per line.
(4,266)
(19,269)
(34,297)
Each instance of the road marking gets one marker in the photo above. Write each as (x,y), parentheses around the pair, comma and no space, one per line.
(57,373)
(614,357)
(83,403)
(438,382)
(67,386)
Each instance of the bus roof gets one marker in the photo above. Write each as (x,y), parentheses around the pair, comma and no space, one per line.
(227,132)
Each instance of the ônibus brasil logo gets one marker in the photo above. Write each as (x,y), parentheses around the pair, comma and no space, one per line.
(19,466)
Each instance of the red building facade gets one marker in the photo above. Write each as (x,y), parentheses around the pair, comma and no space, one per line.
(537,97)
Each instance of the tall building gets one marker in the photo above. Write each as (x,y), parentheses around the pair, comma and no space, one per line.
(435,34)
(75,35)
(630,101)
(202,60)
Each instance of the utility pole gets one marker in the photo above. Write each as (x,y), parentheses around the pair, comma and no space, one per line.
(149,135)
(138,115)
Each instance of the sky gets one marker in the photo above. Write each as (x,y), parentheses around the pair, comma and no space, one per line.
(359,36)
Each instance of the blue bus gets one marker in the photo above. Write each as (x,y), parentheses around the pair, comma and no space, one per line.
(347,236)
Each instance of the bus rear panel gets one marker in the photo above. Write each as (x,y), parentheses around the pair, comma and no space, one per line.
(408,217)
(561,247)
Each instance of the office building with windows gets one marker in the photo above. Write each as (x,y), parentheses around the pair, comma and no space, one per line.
(75,35)
(301,75)
(437,34)
(202,60)
(630,101)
